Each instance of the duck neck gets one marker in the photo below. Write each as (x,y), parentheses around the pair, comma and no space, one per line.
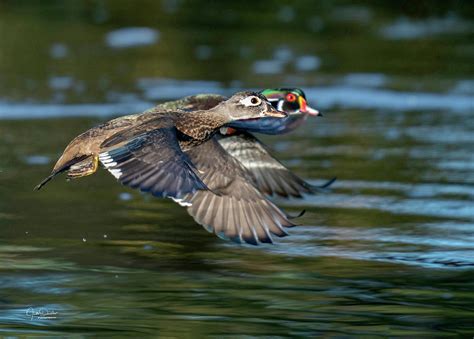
(200,125)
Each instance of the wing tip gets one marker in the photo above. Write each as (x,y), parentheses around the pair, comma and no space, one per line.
(324,188)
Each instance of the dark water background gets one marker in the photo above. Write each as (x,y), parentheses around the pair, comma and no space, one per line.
(390,251)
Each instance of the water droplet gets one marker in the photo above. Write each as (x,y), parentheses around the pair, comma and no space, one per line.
(36,160)
(268,67)
(125,196)
(283,54)
(132,37)
(61,82)
(307,63)
(58,51)
(203,52)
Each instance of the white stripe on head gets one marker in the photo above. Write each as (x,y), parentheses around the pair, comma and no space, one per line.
(280,105)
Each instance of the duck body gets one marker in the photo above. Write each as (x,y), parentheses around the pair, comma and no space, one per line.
(190,150)
(80,157)
(151,155)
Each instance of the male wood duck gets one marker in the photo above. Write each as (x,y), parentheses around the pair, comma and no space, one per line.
(289,100)
(220,180)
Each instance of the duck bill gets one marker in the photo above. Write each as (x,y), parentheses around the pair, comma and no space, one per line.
(274,113)
(305,108)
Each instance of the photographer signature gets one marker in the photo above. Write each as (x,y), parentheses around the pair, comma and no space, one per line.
(41,313)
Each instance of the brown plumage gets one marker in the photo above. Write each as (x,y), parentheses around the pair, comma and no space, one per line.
(270,176)
(172,153)
(232,208)
(80,157)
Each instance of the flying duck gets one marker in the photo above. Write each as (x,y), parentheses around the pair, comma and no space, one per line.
(226,164)
(80,158)
(173,154)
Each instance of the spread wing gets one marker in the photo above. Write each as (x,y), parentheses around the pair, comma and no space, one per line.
(232,208)
(270,176)
(153,162)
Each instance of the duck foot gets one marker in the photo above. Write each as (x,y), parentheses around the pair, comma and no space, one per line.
(84,168)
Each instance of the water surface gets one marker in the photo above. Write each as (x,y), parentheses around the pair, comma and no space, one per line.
(390,250)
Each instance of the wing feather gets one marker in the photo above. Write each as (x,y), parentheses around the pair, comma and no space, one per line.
(269,175)
(153,162)
(233,207)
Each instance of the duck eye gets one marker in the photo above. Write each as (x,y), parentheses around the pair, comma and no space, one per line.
(290,97)
(251,101)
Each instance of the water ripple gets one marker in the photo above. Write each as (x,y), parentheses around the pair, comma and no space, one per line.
(455,250)
(447,208)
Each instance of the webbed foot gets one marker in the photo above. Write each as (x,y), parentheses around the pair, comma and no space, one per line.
(84,168)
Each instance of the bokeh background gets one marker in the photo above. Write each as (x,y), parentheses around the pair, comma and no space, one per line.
(389,251)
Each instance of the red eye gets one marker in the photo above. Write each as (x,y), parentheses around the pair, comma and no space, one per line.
(290,97)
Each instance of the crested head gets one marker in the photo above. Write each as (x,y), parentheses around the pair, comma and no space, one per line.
(289,100)
(247,105)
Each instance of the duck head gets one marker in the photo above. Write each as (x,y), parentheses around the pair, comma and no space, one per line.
(250,105)
(250,111)
(289,100)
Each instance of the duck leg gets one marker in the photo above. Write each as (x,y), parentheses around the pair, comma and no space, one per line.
(84,168)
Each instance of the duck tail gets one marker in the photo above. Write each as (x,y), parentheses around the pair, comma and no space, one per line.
(57,171)
(46,180)
(51,176)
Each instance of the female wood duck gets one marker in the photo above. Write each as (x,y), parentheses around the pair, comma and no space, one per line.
(173,154)
(80,158)
(130,148)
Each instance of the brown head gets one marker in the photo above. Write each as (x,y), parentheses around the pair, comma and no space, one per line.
(247,105)
(242,108)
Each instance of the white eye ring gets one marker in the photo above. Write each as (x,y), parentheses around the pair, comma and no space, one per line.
(251,101)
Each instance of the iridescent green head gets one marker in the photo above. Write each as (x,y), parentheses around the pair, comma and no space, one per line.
(289,100)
